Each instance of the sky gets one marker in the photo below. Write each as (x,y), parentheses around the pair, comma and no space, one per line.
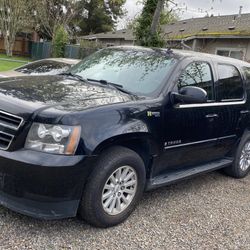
(194,8)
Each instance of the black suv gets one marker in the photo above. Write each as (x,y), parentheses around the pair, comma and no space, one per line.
(124,120)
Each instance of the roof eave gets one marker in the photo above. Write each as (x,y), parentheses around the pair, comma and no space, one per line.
(208,37)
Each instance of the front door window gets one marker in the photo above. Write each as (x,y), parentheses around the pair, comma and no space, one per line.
(198,74)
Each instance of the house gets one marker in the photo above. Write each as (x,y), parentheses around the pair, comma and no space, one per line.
(112,38)
(223,35)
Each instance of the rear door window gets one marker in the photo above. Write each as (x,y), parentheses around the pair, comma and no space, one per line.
(230,84)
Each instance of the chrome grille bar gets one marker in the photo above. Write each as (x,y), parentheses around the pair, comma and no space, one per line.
(10,121)
(5,140)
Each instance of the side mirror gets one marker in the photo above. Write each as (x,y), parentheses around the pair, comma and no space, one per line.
(189,95)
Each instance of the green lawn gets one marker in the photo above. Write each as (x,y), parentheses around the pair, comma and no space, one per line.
(4,66)
(21,58)
(8,65)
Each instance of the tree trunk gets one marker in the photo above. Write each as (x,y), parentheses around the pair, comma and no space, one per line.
(157,15)
(8,44)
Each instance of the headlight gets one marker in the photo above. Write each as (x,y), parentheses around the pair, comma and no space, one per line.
(54,139)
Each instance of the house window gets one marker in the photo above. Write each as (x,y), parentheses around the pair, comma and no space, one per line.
(110,44)
(234,53)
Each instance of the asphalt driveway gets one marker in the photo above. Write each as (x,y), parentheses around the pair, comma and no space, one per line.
(208,212)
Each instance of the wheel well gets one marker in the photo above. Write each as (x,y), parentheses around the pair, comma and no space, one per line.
(234,148)
(141,146)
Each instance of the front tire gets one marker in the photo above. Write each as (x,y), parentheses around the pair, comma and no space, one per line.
(241,165)
(113,188)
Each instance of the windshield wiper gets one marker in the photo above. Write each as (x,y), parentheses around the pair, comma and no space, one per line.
(74,75)
(103,82)
(115,85)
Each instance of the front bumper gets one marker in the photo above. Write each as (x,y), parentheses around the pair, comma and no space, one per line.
(42,185)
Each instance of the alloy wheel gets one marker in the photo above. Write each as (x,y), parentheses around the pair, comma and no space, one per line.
(119,190)
(245,157)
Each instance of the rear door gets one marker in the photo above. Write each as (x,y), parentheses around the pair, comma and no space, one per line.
(231,108)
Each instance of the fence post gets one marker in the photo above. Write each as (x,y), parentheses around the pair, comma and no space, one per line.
(70,52)
(37,50)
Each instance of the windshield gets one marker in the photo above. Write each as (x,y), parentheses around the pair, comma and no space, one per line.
(138,71)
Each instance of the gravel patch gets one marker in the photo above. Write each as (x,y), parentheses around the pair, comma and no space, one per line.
(208,212)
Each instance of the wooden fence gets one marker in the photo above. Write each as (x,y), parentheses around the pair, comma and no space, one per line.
(22,46)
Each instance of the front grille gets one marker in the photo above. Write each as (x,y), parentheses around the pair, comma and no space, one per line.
(5,140)
(10,121)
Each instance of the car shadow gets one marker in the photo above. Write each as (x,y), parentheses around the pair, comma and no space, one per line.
(149,199)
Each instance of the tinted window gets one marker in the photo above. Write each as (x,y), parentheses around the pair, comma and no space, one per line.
(247,74)
(139,71)
(230,85)
(198,74)
(42,67)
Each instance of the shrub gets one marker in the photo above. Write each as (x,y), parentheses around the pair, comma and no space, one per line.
(60,39)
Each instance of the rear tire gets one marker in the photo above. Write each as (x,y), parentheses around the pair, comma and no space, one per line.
(241,165)
(113,188)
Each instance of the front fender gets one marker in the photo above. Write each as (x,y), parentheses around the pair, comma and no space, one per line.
(96,136)
(112,122)
(144,138)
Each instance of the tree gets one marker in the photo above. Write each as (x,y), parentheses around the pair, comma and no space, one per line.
(13,17)
(79,17)
(49,14)
(156,17)
(98,15)
(147,28)
(168,16)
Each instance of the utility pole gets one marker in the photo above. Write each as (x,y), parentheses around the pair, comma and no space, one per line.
(240,11)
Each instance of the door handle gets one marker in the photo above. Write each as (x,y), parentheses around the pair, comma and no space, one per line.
(244,112)
(211,116)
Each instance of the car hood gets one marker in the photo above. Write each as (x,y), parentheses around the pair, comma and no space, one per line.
(10,73)
(25,95)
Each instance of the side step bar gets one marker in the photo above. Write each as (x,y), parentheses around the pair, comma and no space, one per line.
(181,174)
